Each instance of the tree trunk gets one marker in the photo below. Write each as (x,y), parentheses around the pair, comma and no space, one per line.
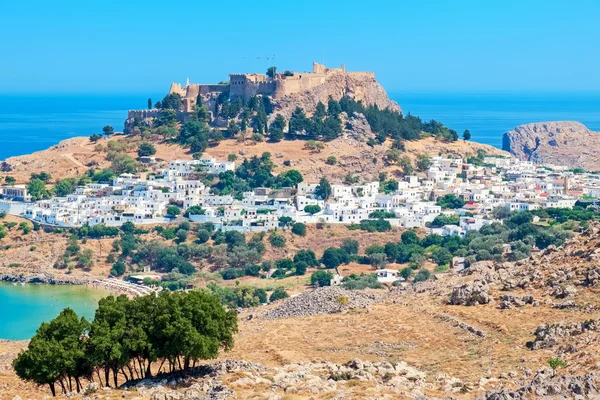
(62,385)
(70,384)
(77,385)
(52,389)
(106,376)
(115,372)
(149,370)
(141,367)
(131,370)
(99,377)
(124,374)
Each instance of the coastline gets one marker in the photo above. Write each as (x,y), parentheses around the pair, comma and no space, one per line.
(44,278)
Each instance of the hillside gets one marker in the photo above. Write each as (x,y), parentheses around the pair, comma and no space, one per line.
(567,143)
(486,333)
(73,157)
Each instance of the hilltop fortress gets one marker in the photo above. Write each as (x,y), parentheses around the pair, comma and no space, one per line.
(277,87)
(287,90)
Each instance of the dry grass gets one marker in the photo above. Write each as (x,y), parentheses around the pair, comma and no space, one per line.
(73,157)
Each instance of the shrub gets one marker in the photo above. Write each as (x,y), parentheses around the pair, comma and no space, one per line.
(146,149)
(277,240)
(299,229)
(331,160)
(300,267)
(312,209)
(232,273)
(321,278)
(362,281)
(203,235)
(252,269)
(406,272)
(278,294)
(118,268)
(422,275)
(284,263)
(173,210)
(556,362)
(306,256)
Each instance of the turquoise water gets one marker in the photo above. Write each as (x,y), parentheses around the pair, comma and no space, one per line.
(25,307)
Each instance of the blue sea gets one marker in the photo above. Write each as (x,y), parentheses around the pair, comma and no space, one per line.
(30,123)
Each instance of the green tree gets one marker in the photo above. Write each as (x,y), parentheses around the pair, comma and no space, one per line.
(276,128)
(299,229)
(312,209)
(149,103)
(277,240)
(406,165)
(56,354)
(95,137)
(321,278)
(278,294)
(422,275)
(423,162)
(37,190)
(410,237)
(467,135)
(123,163)
(146,149)
(10,180)
(173,210)
(65,187)
(233,129)
(108,130)
(271,71)
(350,246)
(307,257)
(323,190)
(118,268)
(450,201)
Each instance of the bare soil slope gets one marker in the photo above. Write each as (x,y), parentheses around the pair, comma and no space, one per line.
(73,157)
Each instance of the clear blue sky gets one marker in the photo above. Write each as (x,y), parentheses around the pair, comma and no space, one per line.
(418,45)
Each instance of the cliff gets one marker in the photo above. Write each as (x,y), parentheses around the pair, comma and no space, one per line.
(358,86)
(567,143)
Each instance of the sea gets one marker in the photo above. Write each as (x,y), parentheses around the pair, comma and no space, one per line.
(30,123)
(25,307)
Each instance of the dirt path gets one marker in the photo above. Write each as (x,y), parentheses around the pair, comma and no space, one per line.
(73,160)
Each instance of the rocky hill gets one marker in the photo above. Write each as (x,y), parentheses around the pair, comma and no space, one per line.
(73,157)
(359,87)
(487,334)
(560,143)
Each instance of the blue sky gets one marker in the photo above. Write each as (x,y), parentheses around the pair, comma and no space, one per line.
(419,45)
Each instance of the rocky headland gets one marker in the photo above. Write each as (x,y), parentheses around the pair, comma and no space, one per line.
(566,143)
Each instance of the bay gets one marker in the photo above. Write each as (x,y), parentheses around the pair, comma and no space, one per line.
(25,307)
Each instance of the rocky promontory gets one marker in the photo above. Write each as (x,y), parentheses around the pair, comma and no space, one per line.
(566,143)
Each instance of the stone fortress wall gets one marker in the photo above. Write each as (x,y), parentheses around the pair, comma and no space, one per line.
(247,85)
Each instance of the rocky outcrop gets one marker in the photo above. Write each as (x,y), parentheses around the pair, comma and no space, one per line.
(548,385)
(560,143)
(471,294)
(326,300)
(508,301)
(359,87)
(548,335)
(357,127)
(43,277)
